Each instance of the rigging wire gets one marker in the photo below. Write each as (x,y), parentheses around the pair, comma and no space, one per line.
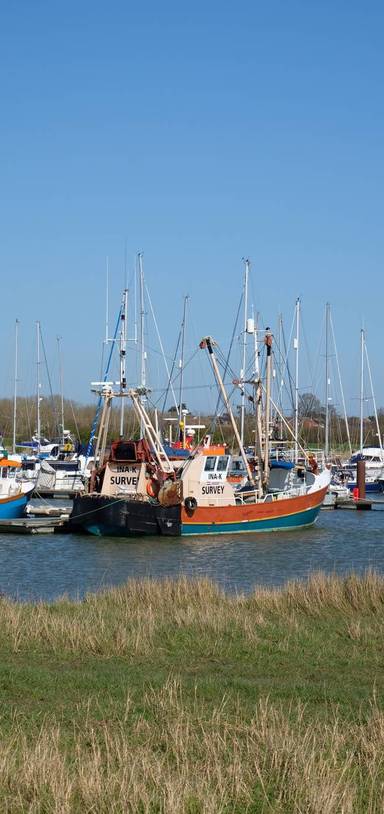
(55,416)
(100,399)
(226,361)
(172,369)
(160,342)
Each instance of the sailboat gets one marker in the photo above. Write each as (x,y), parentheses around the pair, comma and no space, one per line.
(338,490)
(373,456)
(52,464)
(138,490)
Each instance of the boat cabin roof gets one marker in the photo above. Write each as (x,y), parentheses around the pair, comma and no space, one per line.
(8,462)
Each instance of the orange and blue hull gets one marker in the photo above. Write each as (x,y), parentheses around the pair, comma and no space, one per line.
(279,515)
(122,517)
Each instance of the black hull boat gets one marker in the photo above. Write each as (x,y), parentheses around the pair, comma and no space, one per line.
(119,517)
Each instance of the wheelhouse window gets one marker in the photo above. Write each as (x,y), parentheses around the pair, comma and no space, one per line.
(222,463)
(210,463)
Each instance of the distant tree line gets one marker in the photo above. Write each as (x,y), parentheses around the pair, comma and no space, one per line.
(78,419)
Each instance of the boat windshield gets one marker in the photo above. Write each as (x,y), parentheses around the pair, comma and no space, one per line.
(222,463)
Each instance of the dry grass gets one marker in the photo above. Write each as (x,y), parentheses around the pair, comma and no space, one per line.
(124,620)
(174,759)
(323,592)
(240,736)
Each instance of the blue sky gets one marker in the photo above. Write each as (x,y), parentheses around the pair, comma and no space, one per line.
(198,133)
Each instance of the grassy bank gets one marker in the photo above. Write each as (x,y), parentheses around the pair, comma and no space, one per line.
(173,697)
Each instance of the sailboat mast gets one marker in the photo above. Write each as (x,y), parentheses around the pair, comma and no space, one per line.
(15,386)
(373,398)
(123,355)
(244,360)
(61,389)
(326,444)
(341,386)
(296,347)
(38,385)
(362,342)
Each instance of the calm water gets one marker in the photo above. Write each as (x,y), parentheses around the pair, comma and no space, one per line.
(47,566)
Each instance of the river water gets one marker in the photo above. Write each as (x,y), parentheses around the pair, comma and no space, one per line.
(46,566)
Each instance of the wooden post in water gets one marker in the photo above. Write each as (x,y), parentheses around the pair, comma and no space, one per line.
(360,478)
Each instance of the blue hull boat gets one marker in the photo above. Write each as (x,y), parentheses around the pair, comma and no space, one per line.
(13,506)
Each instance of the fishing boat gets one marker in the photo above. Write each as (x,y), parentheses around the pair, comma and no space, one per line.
(14,492)
(138,490)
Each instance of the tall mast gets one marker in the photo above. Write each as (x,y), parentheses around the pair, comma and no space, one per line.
(296,347)
(258,405)
(142,322)
(61,389)
(256,344)
(281,372)
(268,344)
(15,386)
(107,303)
(326,445)
(38,385)
(123,355)
(182,356)
(373,398)
(135,300)
(341,386)
(142,340)
(362,342)
(244,361)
